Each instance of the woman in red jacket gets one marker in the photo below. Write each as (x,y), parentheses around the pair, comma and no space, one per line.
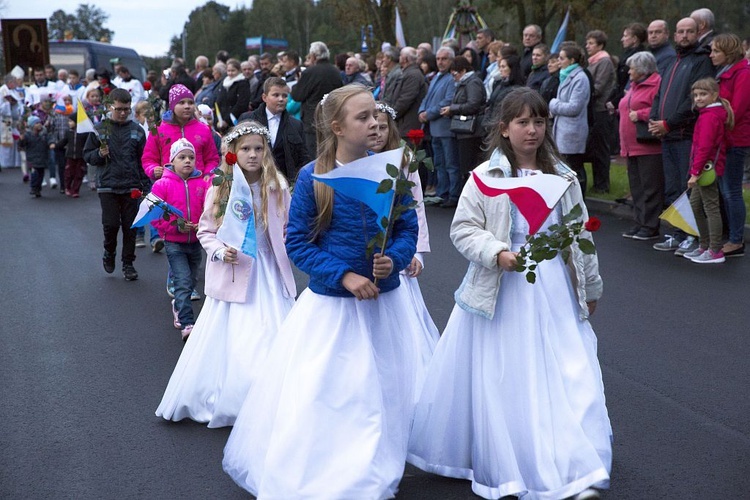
(733,75)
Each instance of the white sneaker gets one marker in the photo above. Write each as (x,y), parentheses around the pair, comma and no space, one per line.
(587,494)
(52,182)
(687,245)
(44,183)
(710,257)
(694,253)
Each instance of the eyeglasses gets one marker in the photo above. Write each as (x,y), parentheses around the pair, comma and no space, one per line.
(121,110)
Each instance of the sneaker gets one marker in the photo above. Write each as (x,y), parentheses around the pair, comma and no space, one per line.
(170,285)
(631,232)
(433,200)
(129,272)
(186,332)
(687,245)
(694,253)
(736,252)
(109,262)
(645,234)
(176,317)
(158,245)
(710,257)
(430,192)
(68,192)
(139,242)
(587,494)
(668,245)
(195,295)
(44,183)
(53,182)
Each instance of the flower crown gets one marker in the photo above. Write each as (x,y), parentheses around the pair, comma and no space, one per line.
(384,108)
(241,130)
(323,99)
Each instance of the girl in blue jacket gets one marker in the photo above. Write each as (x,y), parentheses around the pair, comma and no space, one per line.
(329,417)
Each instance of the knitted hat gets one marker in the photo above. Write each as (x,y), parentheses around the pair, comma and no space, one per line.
(180,145)
(206,112)
(33,120)
(177,93)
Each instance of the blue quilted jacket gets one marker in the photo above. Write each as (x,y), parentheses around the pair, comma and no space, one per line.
(342,247)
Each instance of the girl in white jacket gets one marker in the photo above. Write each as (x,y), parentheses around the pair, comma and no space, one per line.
(515,375)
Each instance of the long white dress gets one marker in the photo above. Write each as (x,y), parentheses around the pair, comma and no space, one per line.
(228,344)
(329,416)
(516,404)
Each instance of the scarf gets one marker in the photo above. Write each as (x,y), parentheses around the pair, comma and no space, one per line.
(723,69)
(566,71)
(602,54)
(229,81)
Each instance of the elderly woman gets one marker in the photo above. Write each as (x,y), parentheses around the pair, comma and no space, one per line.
(570,109)
(468,101)
(733,75)
(643,156)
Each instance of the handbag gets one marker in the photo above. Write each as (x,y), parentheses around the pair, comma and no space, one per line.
(462,124)
(642,135)
(708,174)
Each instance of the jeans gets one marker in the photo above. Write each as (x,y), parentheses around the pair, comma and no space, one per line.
(731,191)
(676,163)
(445,158)
(37,176)
(184,259)
(119,211)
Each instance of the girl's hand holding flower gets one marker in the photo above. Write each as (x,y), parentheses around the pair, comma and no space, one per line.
(230,255)
(507,260)
(382,266)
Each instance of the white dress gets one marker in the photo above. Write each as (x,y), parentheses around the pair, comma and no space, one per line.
(516,404)
(329,416)
(229,342)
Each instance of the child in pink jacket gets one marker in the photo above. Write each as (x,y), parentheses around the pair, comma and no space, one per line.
(184,187)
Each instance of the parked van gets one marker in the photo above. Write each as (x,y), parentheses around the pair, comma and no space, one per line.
(81,55)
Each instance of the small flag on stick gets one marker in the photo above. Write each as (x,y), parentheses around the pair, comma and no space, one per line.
(680,215)
(238,228)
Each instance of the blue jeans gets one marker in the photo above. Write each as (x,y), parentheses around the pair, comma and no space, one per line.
(676,164)
(445,150)
(184,259)
(731,191)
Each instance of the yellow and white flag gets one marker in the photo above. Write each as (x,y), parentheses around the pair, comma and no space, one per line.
(83,122)
(680,215)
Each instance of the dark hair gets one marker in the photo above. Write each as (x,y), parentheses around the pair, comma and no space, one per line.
(222,56)
(293,55)
(120,95)
(474,57)
(273,81)
(460,63)
(49,66)
(73,72)
(340,60)
(487,32)
(265,56)
(431,62)
(518,101)
(516,73)
(207,73)
(573,51)
(598,36)
(639,31)
(123,69)
(508,50)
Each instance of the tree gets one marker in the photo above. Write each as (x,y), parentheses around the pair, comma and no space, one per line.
(87,23)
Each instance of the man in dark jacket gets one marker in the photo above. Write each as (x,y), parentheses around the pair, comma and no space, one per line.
(178,74)
(287,133)
(673,118)
(117,152)
(408,93)
(658,44)
(532,36)
(318,80)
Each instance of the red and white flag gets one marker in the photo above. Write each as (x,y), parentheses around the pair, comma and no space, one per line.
(534,195)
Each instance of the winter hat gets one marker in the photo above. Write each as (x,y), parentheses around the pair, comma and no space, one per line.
(177,93)
(206,112)
(33,120)
(180,145)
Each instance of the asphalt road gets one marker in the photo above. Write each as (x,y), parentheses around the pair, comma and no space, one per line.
(85,357)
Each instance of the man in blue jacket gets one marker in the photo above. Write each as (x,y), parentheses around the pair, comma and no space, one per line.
(444,147)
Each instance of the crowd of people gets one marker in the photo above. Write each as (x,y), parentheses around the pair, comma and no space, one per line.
(332,392)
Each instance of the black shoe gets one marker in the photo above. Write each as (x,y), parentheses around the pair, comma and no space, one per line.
(738,252)
(449,204)
(631,232)
(645,234)
(109,262)
(129,272)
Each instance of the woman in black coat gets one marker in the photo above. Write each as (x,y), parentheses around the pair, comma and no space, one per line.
(233,97)
(511,77)
(468,100)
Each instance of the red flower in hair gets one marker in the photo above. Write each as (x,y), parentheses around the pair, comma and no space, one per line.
(415,136)
(146,85)
(136,193)
(593,224)
(230,158)
(106,90)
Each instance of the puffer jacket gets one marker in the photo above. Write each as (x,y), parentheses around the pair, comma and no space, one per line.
(342,246)
(482,227)
(570,110)
(187,195)
(121,170)
(156,153)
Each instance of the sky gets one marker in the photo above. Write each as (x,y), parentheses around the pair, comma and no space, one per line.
(144,25)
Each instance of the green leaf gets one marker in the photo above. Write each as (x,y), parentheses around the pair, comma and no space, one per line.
(403,186)
(392,170)
(385,186)
(575,213)
(427,162)
(420,156)
(531,277)
(586,246)
(217,181)
(384,222)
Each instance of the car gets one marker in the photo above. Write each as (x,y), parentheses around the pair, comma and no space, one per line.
(81,55)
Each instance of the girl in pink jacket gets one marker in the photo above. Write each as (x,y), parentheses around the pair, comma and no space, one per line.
(246,297)
(184,187)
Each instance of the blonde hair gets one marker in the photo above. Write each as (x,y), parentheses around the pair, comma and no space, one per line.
(270,177)
(329,110)
(710,85)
